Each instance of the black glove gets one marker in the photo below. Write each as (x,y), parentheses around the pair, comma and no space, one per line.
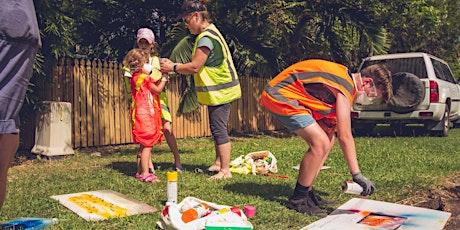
(368,186)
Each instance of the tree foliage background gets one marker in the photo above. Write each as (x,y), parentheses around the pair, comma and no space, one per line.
(265,36)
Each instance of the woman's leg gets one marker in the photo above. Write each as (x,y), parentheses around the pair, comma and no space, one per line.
(218,116)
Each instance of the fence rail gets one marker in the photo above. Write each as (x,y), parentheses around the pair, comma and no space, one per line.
(100,114)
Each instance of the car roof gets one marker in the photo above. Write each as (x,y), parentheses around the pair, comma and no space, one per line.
(401,55)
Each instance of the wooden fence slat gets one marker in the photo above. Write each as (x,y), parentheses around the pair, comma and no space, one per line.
(75,106)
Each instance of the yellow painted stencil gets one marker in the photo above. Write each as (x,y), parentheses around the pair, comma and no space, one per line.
(98,206)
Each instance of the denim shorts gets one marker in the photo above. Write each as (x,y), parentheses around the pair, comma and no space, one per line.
(293,123)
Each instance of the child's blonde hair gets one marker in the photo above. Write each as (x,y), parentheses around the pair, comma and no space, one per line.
(135,59)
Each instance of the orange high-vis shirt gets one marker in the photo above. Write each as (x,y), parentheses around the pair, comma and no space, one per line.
(305,88)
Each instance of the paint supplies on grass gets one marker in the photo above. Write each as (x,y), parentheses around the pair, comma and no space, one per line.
(216,216)
(257,163)
(195,212)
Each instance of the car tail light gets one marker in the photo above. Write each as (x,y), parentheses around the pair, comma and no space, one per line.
(354,114)
(434,92)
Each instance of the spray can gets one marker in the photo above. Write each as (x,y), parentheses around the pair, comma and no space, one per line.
(172,186)
(194,213)
(351,187)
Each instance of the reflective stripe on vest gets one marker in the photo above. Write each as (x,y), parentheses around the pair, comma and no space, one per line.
(155,62)
(217,85)
(286,94)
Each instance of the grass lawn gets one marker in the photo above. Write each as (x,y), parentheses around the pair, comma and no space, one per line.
(399,166)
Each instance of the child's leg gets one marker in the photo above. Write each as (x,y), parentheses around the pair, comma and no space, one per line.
(146,162)
(172,143)
(145,159)
(139,170)
(138,160)
(151,168)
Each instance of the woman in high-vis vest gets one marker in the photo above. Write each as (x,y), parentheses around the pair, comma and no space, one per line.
(313,98)
(216,80)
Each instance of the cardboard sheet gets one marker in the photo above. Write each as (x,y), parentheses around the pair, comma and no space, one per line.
(103,204)
(360,213)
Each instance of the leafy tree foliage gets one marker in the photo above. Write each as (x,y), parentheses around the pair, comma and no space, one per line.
(265,36)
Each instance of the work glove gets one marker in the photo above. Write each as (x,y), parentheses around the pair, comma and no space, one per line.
(368,186)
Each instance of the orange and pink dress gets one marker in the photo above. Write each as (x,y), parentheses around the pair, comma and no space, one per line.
(145,111)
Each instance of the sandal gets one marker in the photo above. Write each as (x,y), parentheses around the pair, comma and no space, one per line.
(180,170)
(149,178)
(138,176)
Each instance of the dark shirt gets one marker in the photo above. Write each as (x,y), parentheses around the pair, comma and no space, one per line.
(18,21)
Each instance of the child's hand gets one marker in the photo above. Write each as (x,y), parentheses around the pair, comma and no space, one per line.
(165,78)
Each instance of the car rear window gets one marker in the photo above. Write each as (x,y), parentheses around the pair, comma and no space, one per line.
(412,65)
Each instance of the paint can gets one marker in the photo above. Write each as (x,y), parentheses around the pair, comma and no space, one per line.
(351,187)
(250,211)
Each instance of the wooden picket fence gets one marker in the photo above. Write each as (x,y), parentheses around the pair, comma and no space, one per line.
(100,114)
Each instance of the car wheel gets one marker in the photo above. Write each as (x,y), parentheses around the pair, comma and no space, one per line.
(444,132)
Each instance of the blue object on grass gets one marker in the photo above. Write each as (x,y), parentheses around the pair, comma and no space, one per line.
(27,223)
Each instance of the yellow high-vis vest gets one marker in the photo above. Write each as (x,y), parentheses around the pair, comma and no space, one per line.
(217,85)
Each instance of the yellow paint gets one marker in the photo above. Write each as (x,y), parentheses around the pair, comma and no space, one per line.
(98,206)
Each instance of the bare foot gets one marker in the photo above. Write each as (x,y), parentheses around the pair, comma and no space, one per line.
(220,175)
(214,168)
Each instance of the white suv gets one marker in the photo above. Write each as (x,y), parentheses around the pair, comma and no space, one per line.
(425,92)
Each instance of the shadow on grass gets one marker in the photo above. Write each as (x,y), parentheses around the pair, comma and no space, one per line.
(267,191)
(130,168)
(270,192)
(125,167)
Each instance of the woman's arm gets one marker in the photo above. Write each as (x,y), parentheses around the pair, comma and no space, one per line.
(198,61)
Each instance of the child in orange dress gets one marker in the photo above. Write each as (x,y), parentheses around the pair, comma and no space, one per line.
(145,109)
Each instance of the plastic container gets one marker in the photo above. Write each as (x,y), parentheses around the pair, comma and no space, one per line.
(171,177)
(250,211)
(194,213)
(236,210)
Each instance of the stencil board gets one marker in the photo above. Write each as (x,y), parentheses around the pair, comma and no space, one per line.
(103,204)
(360,213)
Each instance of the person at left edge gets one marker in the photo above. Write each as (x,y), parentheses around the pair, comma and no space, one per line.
(19,43)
